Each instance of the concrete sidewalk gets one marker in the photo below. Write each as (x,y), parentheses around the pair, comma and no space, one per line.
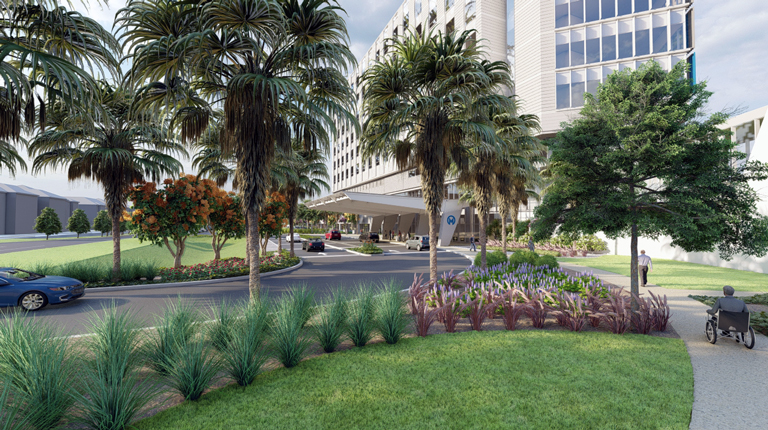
(730,381)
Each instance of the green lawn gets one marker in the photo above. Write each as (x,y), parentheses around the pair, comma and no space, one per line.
(51,238)
(198,251)
(481,380)
(681,275)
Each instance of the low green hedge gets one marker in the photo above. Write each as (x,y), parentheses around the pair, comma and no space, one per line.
(368,248)
(538,251)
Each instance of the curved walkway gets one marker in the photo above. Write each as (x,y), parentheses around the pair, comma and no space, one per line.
(730,381)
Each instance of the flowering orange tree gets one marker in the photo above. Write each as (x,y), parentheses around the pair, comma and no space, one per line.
(226,220)
(171,214)
(273,217)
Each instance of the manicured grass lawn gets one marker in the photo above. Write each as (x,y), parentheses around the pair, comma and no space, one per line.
(681,275)
(198,251)
(482,380)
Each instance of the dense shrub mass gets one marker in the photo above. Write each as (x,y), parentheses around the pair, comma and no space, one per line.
(492,258)
(368,248)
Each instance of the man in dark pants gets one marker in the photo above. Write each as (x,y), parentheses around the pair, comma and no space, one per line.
(644,264)
(728,303)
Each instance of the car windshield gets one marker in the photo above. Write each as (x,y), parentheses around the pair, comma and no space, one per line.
(20,275)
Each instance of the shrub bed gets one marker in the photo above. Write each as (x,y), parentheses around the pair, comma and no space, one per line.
(368,248)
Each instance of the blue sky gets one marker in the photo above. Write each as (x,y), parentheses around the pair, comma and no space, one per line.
(731,51)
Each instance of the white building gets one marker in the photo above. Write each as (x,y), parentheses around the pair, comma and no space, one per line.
(562,49)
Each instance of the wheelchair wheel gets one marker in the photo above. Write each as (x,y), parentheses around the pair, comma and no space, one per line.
(749,338)
(711,332)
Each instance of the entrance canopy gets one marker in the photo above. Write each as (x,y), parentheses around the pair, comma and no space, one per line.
(368,204)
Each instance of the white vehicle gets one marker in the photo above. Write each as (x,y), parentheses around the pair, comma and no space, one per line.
(296,237)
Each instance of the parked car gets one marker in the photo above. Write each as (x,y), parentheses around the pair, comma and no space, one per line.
(32,291)
(372,236)
(296,237)
(333,235)
(313,245)
(417,242)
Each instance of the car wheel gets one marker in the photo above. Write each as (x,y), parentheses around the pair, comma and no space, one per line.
(33,301)
(418,247)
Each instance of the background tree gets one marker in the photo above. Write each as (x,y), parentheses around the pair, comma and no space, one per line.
(273,217)
(644,160)
(226,220)
(102,223)
(78,222)
(420,105)
(110,145)
(168,216)
(258,61)
(48,222)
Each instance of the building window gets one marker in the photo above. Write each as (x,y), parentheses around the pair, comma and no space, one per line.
(377,160)
(406,18)
(625,39)
(418,29)
(577,88)
(377,55)
(592,12)
(394,36)
(448,4)
(641,5)
(432,13)
(659,34)
(470,10)
(471,41)
(561,13)
(625,7)
(417,7)
(577,12)
(593,45)
(642,37)
(593,81)
(577,48)
(363,166)
(609,9)
(658,4)
(676,30)
(563,90)
(370,165)
(561,50)
(357,169)
(450,27)
(609,42)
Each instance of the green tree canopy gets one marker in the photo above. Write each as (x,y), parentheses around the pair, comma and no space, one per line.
(48,222)
(102,223)
(643,160)
(78,222)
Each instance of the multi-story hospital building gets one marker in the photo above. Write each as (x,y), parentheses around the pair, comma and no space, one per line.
(559,50)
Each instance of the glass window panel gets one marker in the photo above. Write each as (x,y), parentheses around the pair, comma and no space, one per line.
(609,9)
(448,4)
(593,51)
(641,5)
(593,80)
(609,48)
(562,56)
(592,10)
(658,4)
(563,96)
(625,7)
(642,42)
(689,30)
(577,53)
(417,7)
(677,36)
(577,12)
(561,13)
(659,39)
(625,45)
(470,9)
(577,94)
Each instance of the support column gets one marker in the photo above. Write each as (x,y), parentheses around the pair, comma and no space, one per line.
(448,222)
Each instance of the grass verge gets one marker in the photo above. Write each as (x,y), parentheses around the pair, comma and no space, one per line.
(681,275)
(468,380)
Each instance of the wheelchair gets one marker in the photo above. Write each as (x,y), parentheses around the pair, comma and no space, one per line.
(733,325)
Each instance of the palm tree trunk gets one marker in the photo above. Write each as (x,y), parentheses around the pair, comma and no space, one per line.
(254,280)
(434,222)
(290,232)
(279,242)
(483,239)
(116,247)
(247,254)
(503,230)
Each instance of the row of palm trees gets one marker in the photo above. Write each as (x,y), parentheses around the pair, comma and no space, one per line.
(255,88)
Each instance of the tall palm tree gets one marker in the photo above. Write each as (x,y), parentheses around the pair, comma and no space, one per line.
(10,158)
(420,109)
(308,180)
(47,55)
(109,145)
(247,57)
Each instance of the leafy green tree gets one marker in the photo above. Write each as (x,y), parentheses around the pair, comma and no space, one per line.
(78,222)
(116,149)
(644,160)
(48,222)
(226,220)
(422,106)
(258,60)
(272,218)
(102,223)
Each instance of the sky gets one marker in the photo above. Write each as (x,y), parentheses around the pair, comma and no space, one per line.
(731,55)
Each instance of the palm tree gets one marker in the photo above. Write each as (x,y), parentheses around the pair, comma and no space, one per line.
(421,106)
(109,145)
(43,50)
(247,57)
(310,174)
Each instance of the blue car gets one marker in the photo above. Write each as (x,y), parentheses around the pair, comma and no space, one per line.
(32,291)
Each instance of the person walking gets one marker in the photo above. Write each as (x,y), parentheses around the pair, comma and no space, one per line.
(645,264)
(472,246)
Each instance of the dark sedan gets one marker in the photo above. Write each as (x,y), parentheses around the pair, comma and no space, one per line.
(313,245)
(372,236)
(32,291)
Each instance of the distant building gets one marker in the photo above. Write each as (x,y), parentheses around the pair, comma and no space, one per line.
(89,205)
(62,205)
(20,205)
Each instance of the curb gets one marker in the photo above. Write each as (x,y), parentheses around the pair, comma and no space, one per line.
(191,283)
(350,251)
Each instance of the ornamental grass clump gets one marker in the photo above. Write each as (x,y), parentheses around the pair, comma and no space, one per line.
(537,308)
(174,329)
(616,315)
(360,324)
(512,308)
(478,310)
(220,331)
(10,417)
(594,302)
(42,368)
(87,271)
(246,351)
(642,317)
(331,321)
(450,312)
(112,391)
(290,340)
(661,312)
(417,293)
(572,311)
(193,367)
(391,315)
